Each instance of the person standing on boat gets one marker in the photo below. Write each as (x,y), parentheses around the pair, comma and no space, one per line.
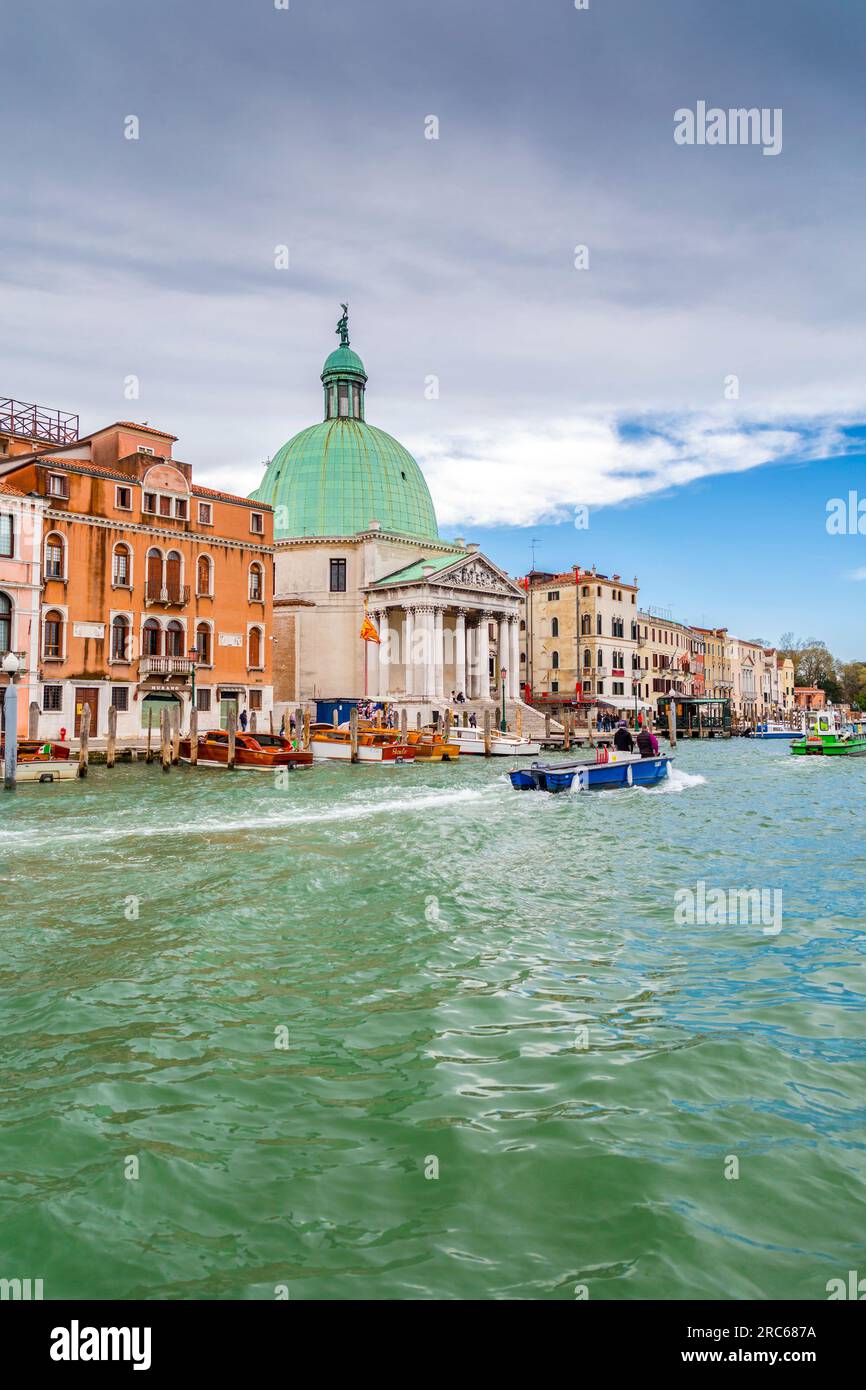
(647,743)
(622,739)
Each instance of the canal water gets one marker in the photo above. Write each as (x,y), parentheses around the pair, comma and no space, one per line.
(405,1033)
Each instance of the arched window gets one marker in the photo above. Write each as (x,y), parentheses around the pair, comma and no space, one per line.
(151,638)
(554,627)
(255,647)
(120,638)
(55,556)
(598,624)
(600,661)
(204,644)
(174,638)
(257,589)
(587,657)
(585,625)
(153,590)
(522,625)
(554,660)
(52,639)
(204,571)
(5,623)
(121,567)
(173,572)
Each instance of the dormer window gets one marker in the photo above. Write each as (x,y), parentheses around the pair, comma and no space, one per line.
(58,485)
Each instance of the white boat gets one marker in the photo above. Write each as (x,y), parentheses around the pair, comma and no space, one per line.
(501,745)
(47,770)
(774,730)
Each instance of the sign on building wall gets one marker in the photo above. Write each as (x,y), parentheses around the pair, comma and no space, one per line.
(231,639)
(88,629)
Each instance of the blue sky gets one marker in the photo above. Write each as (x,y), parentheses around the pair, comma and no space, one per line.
(153,260)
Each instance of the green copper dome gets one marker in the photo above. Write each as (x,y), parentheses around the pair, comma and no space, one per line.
(336,477)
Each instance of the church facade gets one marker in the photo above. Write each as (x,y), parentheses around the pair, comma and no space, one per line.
(356,538)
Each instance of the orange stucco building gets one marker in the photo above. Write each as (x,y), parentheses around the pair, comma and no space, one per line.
(152,586)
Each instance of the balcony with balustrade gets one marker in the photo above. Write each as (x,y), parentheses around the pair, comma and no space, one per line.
(166,595)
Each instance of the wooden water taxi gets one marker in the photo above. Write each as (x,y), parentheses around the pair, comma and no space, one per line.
(253,752)
(432,747)
(374,745)
(41,761)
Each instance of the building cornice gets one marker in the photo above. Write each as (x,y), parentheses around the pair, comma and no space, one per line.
(204,538)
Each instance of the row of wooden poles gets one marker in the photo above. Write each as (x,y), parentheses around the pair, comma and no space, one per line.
(170,735)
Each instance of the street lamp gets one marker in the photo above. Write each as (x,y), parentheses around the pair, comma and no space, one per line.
(11,666)
(503,673)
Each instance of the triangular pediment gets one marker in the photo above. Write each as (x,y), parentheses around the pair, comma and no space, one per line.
(476,572)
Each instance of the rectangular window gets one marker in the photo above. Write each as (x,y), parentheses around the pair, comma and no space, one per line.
(257,522)
(554,686)
(255,699)
(180,508)
(553,596)
(123,498)
(205,514)
(53,637)
(54,560)
(52,698)
(165,506)
(120,569)
(145,449)
(343,397)
(202,700)
(58,485)
(7,535)
(120,696)
(338,576)
(618,688)
(149,502)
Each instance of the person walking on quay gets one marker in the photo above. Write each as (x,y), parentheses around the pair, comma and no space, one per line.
(243,721)
(647,743)
(622,739)
(473,722)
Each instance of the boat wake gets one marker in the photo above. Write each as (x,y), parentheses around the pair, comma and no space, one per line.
(343,812)
(677,781)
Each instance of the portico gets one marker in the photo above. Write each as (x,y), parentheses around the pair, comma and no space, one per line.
(435,632)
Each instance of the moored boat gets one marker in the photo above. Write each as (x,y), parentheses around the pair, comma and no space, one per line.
(374,745)
(253,752)
(432,747)
(42,761)
(771,730)
(502,745)
(591,774)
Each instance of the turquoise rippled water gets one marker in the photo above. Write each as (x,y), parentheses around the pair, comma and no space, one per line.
(471,978)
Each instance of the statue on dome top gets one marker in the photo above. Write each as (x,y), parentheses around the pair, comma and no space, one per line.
(343,326)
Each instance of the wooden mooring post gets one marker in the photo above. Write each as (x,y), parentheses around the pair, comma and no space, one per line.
(148,757)
(353,734)
(547,726)
(566,724)
(672,724)
(111,746)
(164,740)
(487,732)
(518,721)
(33,719)
(231,730)
(84,739)
(175,734)
(193,737)
(270,721)
(253,722)
(306,724)
(404,725)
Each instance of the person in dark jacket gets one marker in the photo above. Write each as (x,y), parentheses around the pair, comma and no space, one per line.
(622,739)
(647,743)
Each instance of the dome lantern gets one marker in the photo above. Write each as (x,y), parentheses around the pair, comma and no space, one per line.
(332,478)
(344,378)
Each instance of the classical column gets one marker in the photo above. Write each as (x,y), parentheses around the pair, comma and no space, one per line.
(514,662)
(439,653)
(384,655)
(482,655)
(460,683)
(408,644)
(424,652)
(503,648)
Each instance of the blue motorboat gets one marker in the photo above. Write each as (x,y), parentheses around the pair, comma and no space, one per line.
(769,730)
(591,774)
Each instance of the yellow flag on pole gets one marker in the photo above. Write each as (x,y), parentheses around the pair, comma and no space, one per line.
(368,631)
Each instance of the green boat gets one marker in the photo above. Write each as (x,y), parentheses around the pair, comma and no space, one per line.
(826,741)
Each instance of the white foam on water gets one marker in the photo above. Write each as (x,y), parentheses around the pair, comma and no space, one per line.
(676,781)
(342,811)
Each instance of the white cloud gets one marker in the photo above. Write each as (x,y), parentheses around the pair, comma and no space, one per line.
(858,574)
